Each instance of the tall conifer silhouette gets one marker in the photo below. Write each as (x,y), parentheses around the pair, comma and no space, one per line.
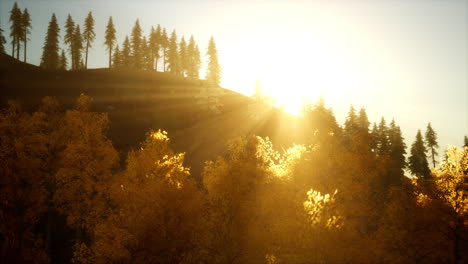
(50,54)
(417,162)
(77,48)
(88,35)
(135,40)
(431,142)
(110,39)
(2,41)
(213,74)
(16,29)
(68,38)
(26,25)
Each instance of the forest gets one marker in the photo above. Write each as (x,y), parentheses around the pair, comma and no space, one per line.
(338,193)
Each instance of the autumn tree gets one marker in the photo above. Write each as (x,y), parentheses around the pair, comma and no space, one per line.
(50,53)
(69,39)
(431,142)
(135,40)
(16,29)
(213,74)
(110,39)
(417,161)
(26,29)
(88,35)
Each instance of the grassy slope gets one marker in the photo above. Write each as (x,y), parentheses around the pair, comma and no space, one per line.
(140,101)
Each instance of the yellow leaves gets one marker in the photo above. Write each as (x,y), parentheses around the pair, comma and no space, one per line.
(320,209)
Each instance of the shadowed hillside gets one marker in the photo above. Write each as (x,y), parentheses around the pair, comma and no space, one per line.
(199,118)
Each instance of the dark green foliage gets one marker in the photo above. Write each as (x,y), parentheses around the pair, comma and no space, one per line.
(77,47)
(63,61)
(397,152)
(26,26)
(417,162)
(213,74)
(16,29)
(431,142)
(126,57)
(68,38)
(2,41)
(50,54)
(88,35)
(110,39)
(135,40)
(382,138)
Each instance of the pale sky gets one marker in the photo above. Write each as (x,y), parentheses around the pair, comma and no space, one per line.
(405,59)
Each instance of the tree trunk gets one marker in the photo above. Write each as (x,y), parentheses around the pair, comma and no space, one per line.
(86,60)
(18,43)
(110,57)
(433,158)
(13,46)
(156,65)
(25,45)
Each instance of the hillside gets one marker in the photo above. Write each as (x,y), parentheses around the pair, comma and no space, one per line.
(199,119)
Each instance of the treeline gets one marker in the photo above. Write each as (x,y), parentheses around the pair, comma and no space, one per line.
(137,52)
(342,197)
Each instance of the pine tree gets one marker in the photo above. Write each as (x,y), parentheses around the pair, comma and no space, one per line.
(465,143)
(213,74)
(374,138)
(397,152)
(26,24)
(146,54)
(431,142)
(135,39)
(382,138)
(16,29)
(164,46)
(110,39)
(88,35)
(63,61)
(363,121)
(77,47)
(155,46)
(2,41)
(50,54)
(126,57)
(351,126)
(417,162)
(183,57)
(68,38)
(173,55)
(196,62)
(116,59)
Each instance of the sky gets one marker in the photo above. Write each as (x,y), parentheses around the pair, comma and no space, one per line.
(401,59)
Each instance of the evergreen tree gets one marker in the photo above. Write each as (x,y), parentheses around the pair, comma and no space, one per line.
(173,55)
(417,162)
(146,54)
(431,142)
(196,62)
(136,38)
(183,57)
(397,152)
(63,61)
(363,121)
(116,59)
(2,41)
(382,138)
(68,38)
(16,29)
(164,46)
(50,54)
(465,143)
(213,74)
(88,35)
(126,57)
(110,39)
(77,48)
(351,126)
(374,138)
(26,23)
(155,45)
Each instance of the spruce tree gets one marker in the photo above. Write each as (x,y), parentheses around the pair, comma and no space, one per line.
(363,121)
(126,57)
(196,62)
(351,126)
(110,39)
(116,59)
(26,24)
(183,57)
(374,139)
(382,138)
(431,142)
(77,47)
(397,152)
(63,61)
(164,47)
(155,45)
(16,29)
(88,35)
(465,143)
(213,74)
(2,41)
(68,38)
(417,162)
(50,54)
(173,55)
(135,39)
